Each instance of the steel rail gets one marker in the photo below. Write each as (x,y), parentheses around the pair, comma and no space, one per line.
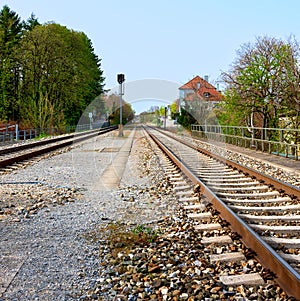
(286,276)
(50,140)
(35,153)
(291,190)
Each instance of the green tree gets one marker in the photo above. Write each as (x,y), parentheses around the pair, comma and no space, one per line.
(61,75)
(290,93)
(229,112)
(31,23)
(10,35)
(290,84)
(150,117)
(173,109)
(255,81)
(88,80)
(186,118)
(127,114)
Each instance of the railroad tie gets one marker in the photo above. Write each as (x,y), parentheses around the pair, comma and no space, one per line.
(287,242)
(184,193)
(180,182)
(219,168)
(173,174)
(15,166)
(176,177)
(278,229)
(234,189)
(194,206)
(260,201)
(182,188)
(200,216)
(266,209)
(189,199)
(217,180)
(171,169)
(249,195)
(208,227)
(219,240)
(227,257)
(234,184)
(267,218)
(243,279)
(290,257)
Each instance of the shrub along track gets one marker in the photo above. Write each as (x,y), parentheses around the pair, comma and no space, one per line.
(261,209)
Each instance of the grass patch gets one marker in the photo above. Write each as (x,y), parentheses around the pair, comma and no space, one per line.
(123,238)
(147,232)
(41,136)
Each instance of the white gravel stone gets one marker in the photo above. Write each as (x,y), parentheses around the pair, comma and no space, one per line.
(59,262)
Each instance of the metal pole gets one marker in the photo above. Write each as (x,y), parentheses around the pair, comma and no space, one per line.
(121,113)
(120,103)
(121,79)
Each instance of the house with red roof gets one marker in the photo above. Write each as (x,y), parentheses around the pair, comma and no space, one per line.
(201,90)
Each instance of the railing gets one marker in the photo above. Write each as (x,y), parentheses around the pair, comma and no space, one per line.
(282,142)
(12,133)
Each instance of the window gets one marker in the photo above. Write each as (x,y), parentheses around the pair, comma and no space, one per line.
(188,91)
(206,94)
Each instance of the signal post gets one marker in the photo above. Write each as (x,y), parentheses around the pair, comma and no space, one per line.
(121,79)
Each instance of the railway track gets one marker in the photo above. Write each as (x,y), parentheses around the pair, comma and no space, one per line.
(17,155)
(263,211)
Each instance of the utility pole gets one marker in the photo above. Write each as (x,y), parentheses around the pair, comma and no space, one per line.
(121,79)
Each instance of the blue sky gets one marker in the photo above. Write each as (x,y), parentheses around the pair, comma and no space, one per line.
(164,39)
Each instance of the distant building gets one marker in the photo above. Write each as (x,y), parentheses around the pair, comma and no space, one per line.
(199,89)
(153,109)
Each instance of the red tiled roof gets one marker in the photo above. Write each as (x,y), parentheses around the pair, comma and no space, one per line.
(205,87)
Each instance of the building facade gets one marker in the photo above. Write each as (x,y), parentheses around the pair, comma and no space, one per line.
(200,90)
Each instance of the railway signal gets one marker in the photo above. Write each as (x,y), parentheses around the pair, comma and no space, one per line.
(121,80)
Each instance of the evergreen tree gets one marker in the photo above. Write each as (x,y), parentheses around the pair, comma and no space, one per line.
(31,23)
(10,35)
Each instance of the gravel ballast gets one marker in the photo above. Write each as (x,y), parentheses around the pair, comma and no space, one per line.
(44,251)
(55,223)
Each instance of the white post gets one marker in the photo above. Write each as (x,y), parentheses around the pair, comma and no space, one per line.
(17,132)
(91,120)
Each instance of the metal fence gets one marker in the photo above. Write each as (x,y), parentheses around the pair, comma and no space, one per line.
(282,142)
(12,133)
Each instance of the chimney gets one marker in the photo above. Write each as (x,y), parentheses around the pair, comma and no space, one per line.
(206,78)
